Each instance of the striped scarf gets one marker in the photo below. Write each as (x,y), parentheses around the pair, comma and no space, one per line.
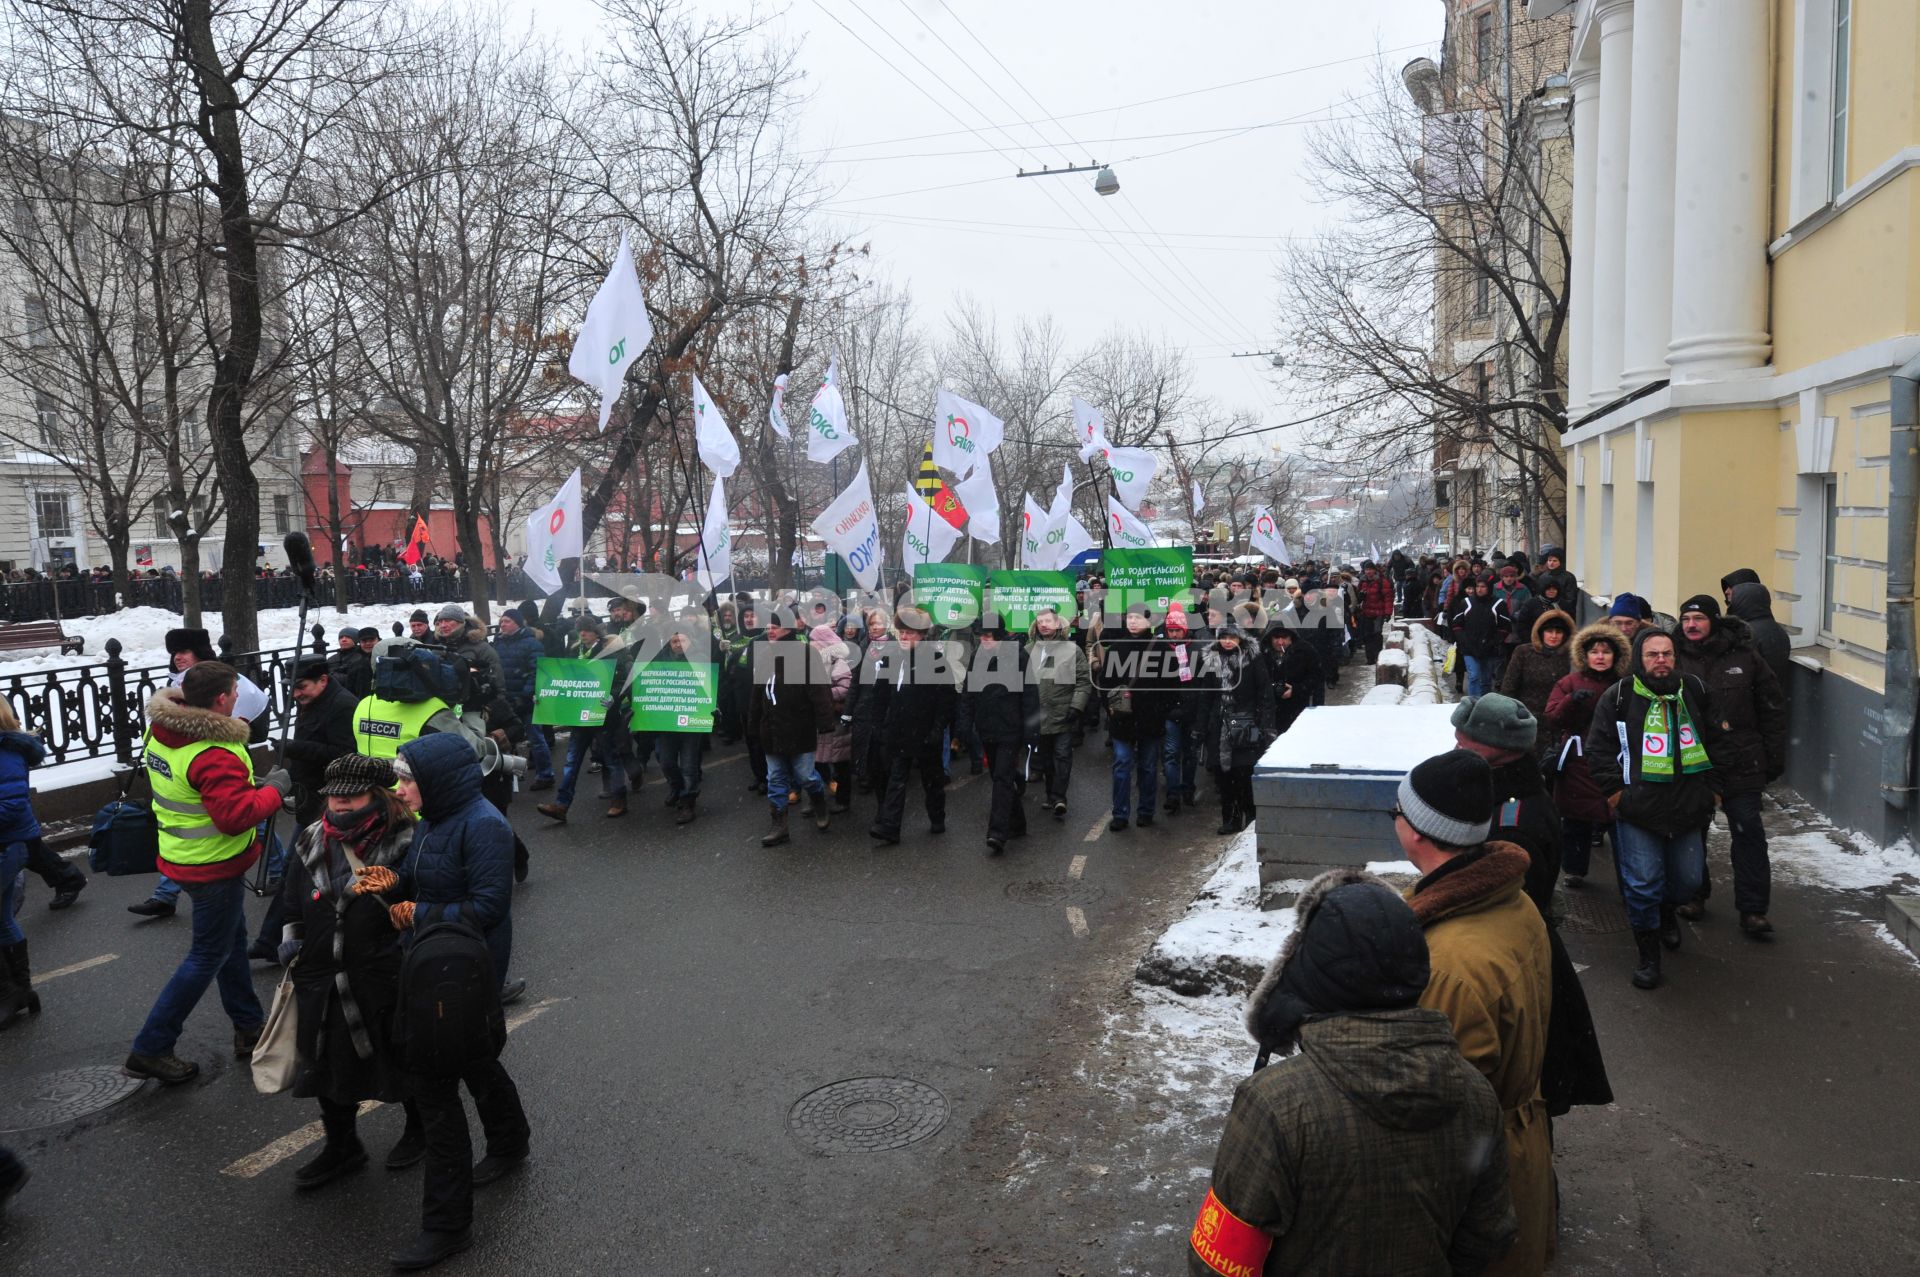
(1660,733)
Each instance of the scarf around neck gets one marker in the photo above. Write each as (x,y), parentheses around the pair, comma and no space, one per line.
(1665,727)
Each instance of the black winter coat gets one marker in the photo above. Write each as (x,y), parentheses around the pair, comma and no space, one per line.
(1005,705)
(1300,670)
(1238,722)
(1745,699)
(912,694)
(1753,603)
(353,670)
(322,732)
(790,701)
(1663,807)
(1133,674)
(1477,625)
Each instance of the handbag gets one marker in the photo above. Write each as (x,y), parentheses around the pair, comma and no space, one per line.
(1453,659)
(277,1052)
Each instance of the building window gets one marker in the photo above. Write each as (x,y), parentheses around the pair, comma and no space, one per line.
(53,513)
(1482,295)
(1486,46)
(47,414)
(39,333)
(282,515)
(1829,557)
(190,433)
(162,525)
(1842,69)
(206,514)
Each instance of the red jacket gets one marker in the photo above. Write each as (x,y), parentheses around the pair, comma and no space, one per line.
(1376,597)
(234,803)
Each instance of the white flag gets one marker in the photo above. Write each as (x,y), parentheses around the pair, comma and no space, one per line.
(718,450)
(1127,531)
(777,410)
(1373,551)
(850,530)
(1131,470)
(963,432)
(982,502)
(1036,550)
(1063,495)
(1266,537)
(1199,499)
(827,432)
(716,542)
(553,534)
(1089,427)
(926,538)
(1073,540)
(614,332)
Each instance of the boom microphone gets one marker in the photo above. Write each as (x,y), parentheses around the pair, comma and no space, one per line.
(300,558)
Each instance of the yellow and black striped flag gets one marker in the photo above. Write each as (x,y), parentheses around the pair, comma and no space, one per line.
(933,489)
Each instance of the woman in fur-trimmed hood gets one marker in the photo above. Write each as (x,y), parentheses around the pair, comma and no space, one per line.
(1534,667)
(1311,1171)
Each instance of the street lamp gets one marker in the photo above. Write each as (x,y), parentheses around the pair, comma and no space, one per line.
(1104,181)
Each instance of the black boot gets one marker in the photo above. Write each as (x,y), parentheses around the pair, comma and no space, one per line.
(1647,974)
(777,834)
(1669,928)
(1229,814)
(22,974)
(337,1157)
(818,802)
(686,812)
(13,999)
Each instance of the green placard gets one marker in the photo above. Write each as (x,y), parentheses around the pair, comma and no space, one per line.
(1152,576)
(673,696)
(1018,595)
(571,693)
(952,593)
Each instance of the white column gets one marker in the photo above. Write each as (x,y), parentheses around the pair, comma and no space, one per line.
(1585,81)
(1650,169)
(1615,20)
(1722,177)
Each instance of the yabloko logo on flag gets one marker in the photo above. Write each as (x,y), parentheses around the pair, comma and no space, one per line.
(964,433)
(827,432)
(851,530)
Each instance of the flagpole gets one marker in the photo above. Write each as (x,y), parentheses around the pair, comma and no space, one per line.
(693,497)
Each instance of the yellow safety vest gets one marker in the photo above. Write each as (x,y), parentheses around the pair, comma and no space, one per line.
(380,727)
(188,835)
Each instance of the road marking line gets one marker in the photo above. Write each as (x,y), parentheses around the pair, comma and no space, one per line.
(313,1132)
(1077,867)
(1099,827)
(57,972)
(1078,921)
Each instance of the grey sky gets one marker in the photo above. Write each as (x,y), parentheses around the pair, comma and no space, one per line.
(1192,234)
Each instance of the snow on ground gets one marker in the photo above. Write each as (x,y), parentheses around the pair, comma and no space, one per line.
(142,632)
(1225,940)
(1372,738)
(1392,656)
(1847,862)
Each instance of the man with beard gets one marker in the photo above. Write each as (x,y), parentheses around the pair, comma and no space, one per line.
(1650,752)
(1744,699)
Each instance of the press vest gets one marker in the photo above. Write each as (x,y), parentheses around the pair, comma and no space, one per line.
(188,835)
(381,727)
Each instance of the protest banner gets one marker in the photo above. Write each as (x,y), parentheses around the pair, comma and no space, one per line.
(571,693)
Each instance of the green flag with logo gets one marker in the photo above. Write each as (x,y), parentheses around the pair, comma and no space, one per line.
(673,696)
(1152,576)
(952,593)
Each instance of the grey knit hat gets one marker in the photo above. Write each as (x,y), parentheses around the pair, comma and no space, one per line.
(450,612)
(1497,721)
(1449,798)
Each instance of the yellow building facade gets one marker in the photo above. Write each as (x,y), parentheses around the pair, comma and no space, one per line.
(1746,288)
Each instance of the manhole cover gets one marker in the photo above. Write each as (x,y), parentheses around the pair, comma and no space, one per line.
(1594,912)
(53,1099)
(1054,891)
(867,1115)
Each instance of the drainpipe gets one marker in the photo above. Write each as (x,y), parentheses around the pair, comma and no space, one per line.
(1903,524)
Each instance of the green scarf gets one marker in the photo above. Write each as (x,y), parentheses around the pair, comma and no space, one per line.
(1657,736)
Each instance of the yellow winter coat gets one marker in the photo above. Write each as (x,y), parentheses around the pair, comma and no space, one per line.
(1492,978)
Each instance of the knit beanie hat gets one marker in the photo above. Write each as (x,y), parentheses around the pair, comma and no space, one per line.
(1496,720)
(512,614)
(450,612)
(822,636)
(419,614)
(1629,605)
(1449,798)
(1702,603)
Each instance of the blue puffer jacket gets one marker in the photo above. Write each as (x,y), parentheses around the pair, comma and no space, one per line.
(460,866)
(19,753)
(517,655)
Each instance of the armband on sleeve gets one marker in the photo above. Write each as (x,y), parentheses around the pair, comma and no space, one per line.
(1227,1244)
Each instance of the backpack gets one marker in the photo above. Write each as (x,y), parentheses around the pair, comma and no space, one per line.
(125,840)
(449,1016)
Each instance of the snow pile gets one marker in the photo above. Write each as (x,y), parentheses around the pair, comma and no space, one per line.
(1392,656)
(1846,862)
(1364,738)
(1384,694)
(1225,940)
(142,632)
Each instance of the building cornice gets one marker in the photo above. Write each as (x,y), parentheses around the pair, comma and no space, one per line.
(1892,167)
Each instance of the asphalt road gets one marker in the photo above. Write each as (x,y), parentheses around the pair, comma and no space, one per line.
(687,989)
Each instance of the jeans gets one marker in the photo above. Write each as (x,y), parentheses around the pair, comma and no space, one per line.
(1576,845)
(680,762)
(1180,750)
(1006,764)
(1053,756)
(1480,672)
(13,859)
(788,773)
(612,775)
(166,889)
(1125,754)
(1752,875)
(447,1185)
(1656,870)
(218,952)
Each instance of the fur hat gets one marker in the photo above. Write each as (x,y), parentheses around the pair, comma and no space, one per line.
(1496,720)
(190,640)
(1449,798)
(1358,947)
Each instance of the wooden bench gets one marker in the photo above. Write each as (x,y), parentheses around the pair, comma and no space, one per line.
(28,635)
